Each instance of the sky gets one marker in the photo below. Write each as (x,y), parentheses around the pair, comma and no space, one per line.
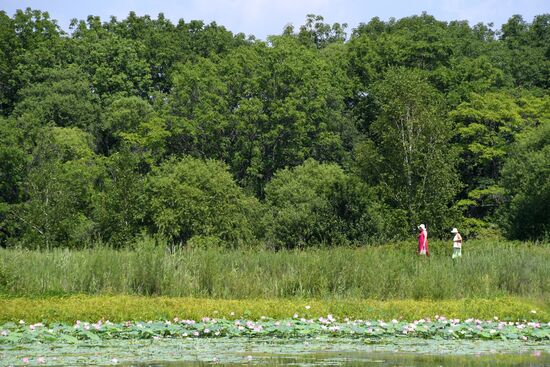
(265,17)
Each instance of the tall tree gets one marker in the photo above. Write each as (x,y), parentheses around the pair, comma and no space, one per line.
(412,161)
(261,109)
(486,126)
(526,180)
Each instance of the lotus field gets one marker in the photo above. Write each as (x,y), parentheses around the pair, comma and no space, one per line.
(439,327)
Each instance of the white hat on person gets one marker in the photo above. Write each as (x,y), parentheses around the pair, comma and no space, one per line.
(454,230)
(422,227)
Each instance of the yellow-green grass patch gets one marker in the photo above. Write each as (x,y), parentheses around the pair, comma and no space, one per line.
(124,307)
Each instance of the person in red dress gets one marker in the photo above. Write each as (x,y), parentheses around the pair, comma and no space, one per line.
(423,241)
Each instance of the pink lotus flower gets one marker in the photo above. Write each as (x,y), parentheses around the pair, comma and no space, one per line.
(25,360)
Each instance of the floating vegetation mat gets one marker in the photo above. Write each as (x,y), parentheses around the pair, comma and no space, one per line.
(324,341)
(316,351)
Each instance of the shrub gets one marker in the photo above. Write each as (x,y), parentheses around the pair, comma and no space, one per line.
(193,197)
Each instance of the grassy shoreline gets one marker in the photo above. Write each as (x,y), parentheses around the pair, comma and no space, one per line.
(488,270)
(118,308)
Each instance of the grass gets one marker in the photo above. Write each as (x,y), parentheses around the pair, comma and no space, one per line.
(121,308)
(487,270)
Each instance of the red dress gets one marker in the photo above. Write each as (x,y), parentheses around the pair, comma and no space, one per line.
(423,243)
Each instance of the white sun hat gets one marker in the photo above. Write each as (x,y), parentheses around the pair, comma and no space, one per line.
(454,230)
(422,227)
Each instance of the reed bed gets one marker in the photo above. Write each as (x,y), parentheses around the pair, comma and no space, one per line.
(487,270)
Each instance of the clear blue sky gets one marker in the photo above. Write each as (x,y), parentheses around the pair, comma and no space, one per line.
(265,17)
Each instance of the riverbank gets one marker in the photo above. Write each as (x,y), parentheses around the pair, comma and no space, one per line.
(120,308)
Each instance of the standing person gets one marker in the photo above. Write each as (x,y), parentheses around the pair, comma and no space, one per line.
(423,241)
(457,244)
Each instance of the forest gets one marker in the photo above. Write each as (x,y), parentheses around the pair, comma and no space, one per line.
(319,136)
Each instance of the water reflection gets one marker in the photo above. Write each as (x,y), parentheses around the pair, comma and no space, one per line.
(534,359)
(307,352)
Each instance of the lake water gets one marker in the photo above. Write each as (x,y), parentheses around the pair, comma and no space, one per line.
(281,352)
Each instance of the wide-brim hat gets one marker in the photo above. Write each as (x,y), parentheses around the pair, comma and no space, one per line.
(454,230)
(422,227)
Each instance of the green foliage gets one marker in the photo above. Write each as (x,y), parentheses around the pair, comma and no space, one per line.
(94,122)
(63,98)
(260,109)
(527,51)
(121,308)
(487,125)
(12,175)
(317,203)
(320,327)
(414,162)
(486,270)
(119,201)
(318,34)
(58,190)
(526,178)
(190,197)
(116,65)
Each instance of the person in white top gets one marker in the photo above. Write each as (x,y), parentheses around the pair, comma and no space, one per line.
(457,244)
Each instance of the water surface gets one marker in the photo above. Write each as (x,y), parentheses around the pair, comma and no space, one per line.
(319,351)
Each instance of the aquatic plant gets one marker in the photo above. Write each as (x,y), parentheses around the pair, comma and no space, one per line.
(488,269)
(438,327)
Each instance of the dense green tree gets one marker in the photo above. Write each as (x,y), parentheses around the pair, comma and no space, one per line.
(412,161)
(31,43)
(60,180)
(528,54)
(94,125)
(13,160)
(63,98)
(115,65)
(318,34)
(317,203)
(526,180)
(133,122)
(190,197)
(9,48)
(465,76)
(260,109)
(486,126)
(119,203)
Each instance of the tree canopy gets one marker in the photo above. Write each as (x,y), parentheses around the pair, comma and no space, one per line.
(320,135)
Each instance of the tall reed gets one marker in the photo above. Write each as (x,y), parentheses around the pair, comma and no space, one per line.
(487,269)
